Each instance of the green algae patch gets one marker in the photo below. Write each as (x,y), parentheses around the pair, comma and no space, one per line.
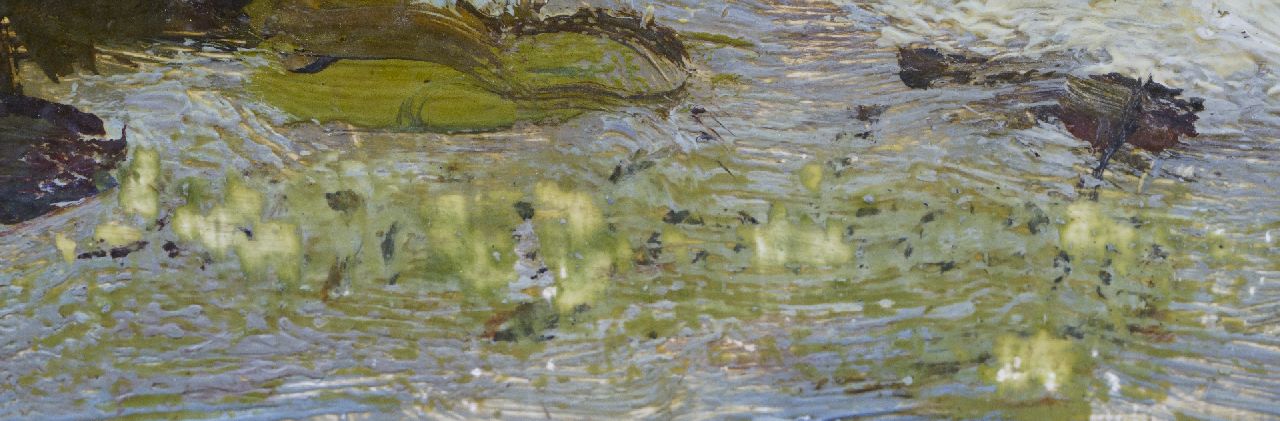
(385,94)
(728,80)
(117,235)
(456,105)
(218,229)
(721,39)
(811,176)
(274,245)
(139,185)
(356,226)
(236,224)
(548,59)
(66,247)
(151,401)
(457,69)
(1035,365)
(412,95)
(1036,376)
(1091,233)
(470,239)
(577,244)
(784,241)
(540,65)
(545,77)
(1045,280)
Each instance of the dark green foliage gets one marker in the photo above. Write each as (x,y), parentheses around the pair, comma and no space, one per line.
(61,35)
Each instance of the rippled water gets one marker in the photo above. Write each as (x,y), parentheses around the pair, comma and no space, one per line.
(936,261)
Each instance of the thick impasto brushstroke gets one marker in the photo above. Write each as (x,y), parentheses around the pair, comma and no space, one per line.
(675,209)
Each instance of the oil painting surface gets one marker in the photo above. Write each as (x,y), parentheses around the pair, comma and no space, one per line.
(668,209)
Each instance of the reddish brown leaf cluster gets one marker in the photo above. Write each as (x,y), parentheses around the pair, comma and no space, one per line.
(1105,109)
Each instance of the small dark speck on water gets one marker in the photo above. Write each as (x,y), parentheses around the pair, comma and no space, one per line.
(171,248)
(948,265)
(680,217)
(616,175)
(675,217)
(343,200)
(92,254)
(115,252)
(1158,253)
(1038,219)
(525,210)
(389,243)
(870,113)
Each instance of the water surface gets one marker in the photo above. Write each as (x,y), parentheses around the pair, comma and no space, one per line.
(938,260)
